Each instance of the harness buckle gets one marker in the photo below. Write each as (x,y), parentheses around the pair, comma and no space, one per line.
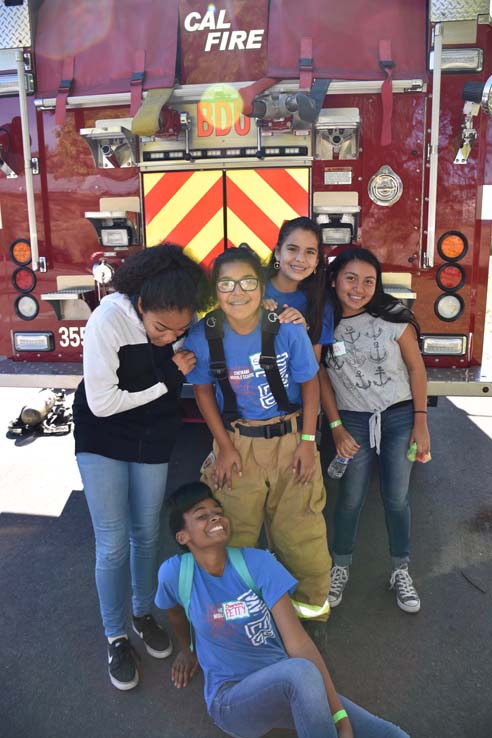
(277,430)
(218,369)
(267,362)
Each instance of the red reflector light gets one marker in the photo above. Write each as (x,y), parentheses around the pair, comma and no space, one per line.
(450,277)
(20,252)
(452,246)
(24,279)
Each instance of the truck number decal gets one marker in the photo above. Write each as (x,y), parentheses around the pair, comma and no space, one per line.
(72,336)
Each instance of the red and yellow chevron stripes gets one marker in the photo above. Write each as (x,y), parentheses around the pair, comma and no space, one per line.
(198,209)
(259,200)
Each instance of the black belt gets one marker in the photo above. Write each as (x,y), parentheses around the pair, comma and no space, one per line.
(273,430)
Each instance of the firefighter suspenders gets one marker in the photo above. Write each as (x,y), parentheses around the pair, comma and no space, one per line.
(214,333)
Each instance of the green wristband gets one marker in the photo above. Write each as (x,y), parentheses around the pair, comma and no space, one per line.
(335,424)
(307,437)
(339,716)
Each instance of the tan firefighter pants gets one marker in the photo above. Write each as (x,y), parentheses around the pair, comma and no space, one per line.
(293,512)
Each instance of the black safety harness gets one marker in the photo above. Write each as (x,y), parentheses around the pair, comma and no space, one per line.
(214,332)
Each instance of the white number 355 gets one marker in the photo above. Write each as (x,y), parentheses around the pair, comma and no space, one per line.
(72,336)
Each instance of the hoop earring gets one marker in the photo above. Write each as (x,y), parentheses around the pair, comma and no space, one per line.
(276,265)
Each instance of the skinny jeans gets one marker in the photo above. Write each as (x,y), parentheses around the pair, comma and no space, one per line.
(394,476)
(289,694)
(125,500)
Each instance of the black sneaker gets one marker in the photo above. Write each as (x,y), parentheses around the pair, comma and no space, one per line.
(122,668)
(407,597)
(154,636)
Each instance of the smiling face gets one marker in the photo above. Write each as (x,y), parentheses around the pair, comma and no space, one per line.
(355,286)
(204,526)
(241,307)
(165,326)
(297,256)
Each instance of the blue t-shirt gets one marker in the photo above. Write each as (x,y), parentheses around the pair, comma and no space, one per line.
(295,358)
(298,300)
(234,631)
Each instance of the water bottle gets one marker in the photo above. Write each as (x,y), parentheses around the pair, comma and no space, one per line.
(337,468)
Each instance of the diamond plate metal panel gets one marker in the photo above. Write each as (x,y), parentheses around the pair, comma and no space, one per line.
(454,10)
(15,26)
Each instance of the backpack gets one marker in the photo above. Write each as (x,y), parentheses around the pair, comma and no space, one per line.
(187,569)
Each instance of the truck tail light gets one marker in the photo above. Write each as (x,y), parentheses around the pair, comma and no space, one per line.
(443,345)
(24,279)
(449,307)
(452,246)
(26,307)
(450,277)
(20,252)
(34,341)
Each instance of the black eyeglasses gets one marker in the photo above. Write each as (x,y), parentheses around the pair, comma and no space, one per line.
(247,284)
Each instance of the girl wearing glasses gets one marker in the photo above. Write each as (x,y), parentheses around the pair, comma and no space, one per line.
(296,280)
(265,464)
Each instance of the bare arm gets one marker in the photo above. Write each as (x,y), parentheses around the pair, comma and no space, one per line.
(299,645)
(345,443)
(185,664)
(228,459)
(303,462)
(418,384)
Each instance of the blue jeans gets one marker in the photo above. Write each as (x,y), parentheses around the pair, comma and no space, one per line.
(289,694)
(394,476)
(125,499)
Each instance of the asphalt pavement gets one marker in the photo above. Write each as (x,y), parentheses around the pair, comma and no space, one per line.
(431,673)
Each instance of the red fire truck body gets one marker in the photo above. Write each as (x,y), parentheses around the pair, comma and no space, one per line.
(123,124)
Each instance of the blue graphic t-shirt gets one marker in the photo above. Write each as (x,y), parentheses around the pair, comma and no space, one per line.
(295,358)
(298,300)
(234,630)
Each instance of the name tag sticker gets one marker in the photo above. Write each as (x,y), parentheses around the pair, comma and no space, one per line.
(235,610)
(339,348)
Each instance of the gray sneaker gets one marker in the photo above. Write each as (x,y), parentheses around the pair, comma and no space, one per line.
(338,580)
(407,598)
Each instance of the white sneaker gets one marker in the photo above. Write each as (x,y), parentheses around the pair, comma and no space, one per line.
(338,581)
(407,598)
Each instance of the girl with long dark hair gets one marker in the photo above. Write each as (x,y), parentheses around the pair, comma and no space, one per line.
(374,394)
(296,279)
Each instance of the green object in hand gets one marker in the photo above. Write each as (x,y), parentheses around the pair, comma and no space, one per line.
(412,454)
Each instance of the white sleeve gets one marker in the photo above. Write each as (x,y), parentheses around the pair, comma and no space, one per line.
(101,362)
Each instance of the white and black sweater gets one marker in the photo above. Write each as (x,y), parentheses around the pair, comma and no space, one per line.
(126,407)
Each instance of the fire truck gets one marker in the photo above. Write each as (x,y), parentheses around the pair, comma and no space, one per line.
(127,123)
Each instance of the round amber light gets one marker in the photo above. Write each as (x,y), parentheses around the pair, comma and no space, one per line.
(24,279)
(450,277)
(452,246)
(20,252)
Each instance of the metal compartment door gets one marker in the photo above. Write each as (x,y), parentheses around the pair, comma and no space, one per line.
(259,200)
(204,211)
(186,208)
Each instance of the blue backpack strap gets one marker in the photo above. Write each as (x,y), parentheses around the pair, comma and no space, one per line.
(185,582)
(236,558)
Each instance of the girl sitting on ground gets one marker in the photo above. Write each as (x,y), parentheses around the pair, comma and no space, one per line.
(262,671)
